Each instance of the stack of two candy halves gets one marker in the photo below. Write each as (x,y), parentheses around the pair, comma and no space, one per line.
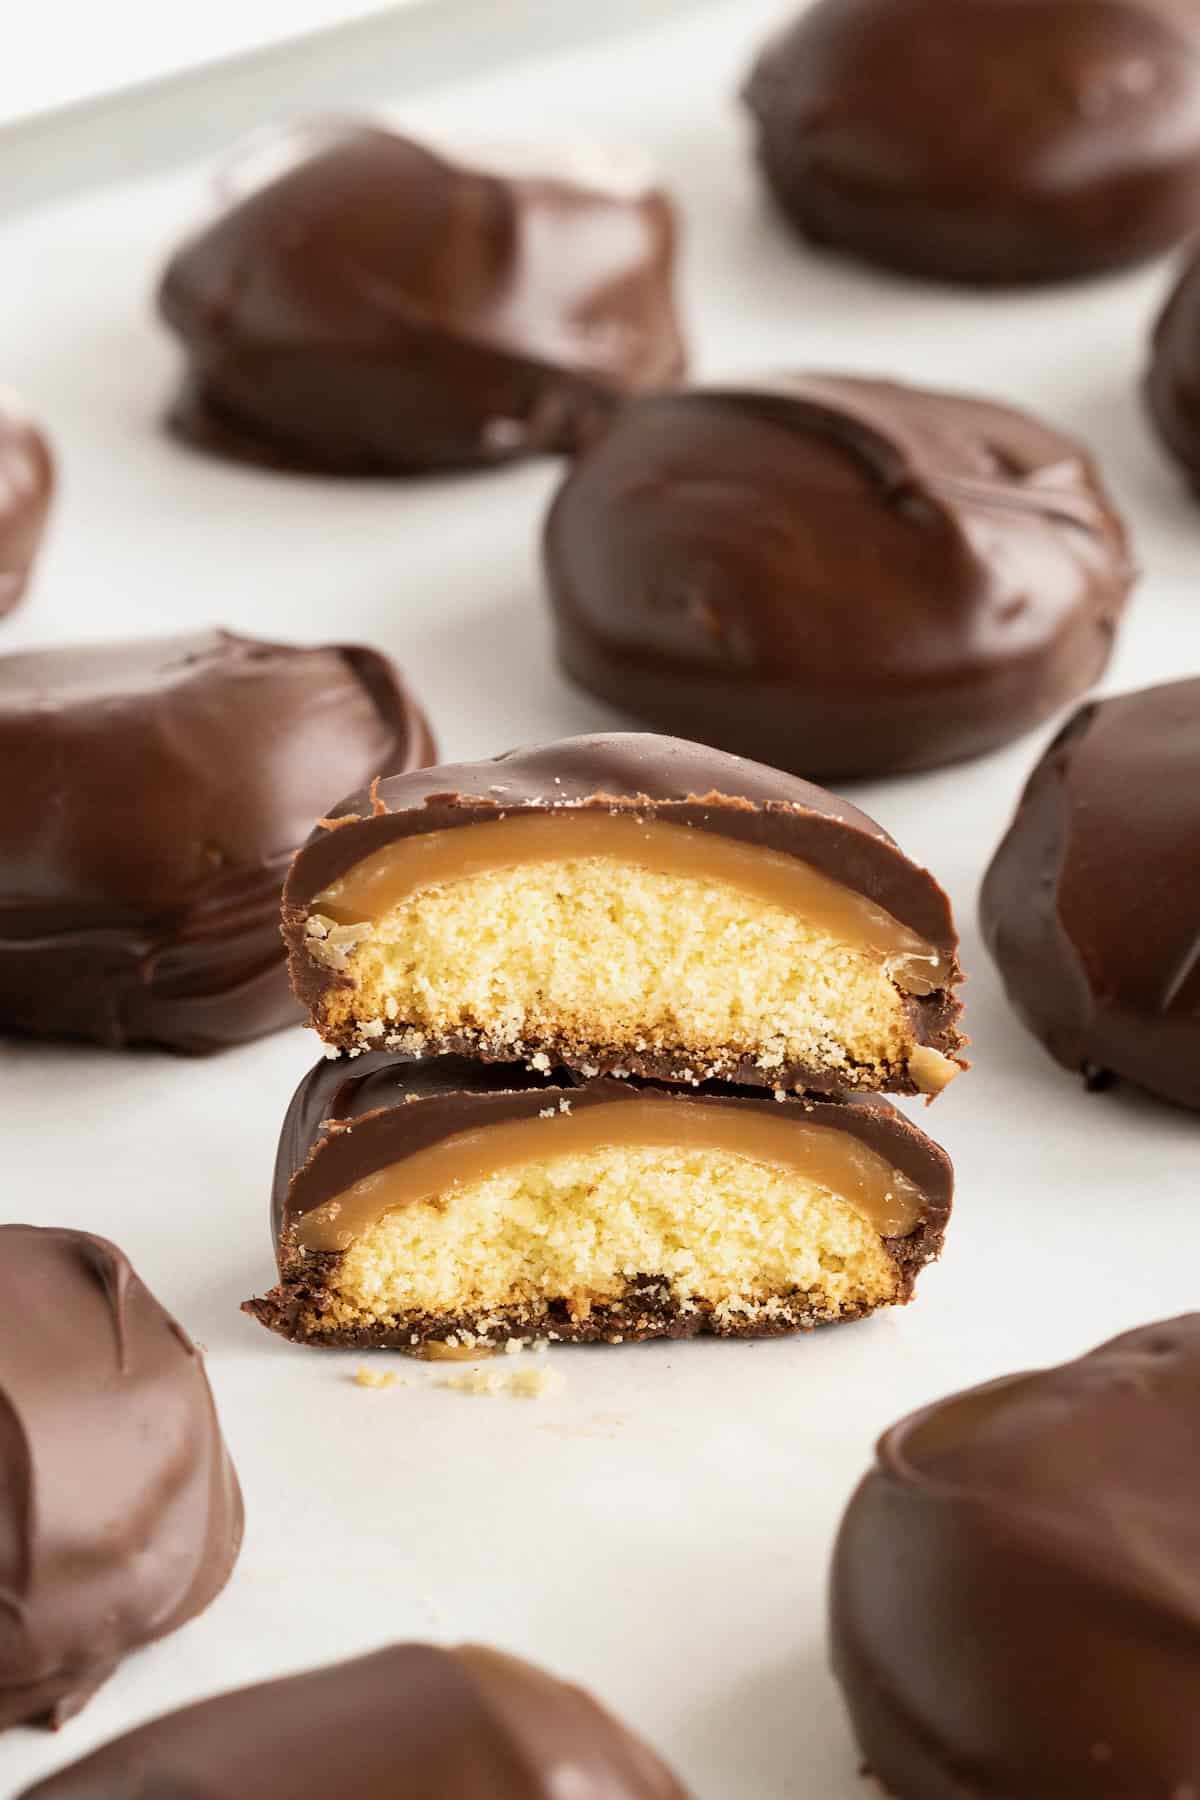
(619,1013)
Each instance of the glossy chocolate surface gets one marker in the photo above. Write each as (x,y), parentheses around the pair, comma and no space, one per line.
(408,1723)
(120,1515)
(992,141)
(845,578)
(26,487)
(1016,1586)
(1173,378)
(154,794)
(658,778)
(348,1120)
(379,309)
(1091,906)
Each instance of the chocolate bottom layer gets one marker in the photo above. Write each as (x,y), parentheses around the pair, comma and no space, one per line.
(647,1311)
(934,1027)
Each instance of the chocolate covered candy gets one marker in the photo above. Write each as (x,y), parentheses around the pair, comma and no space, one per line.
(628,903)
(1016,1584)
(26,485)
(845,578)
(408,1723)
(1173,378)
(153,795)
(985,140)
(448,1203)
(120,1515)
(1091,906)
(378,308)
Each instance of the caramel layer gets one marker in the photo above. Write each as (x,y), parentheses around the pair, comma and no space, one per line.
(831,1159)
(373,887)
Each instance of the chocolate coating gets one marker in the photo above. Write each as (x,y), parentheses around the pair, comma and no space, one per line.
(985,140)
(378,309)
(660,777)
(26,486)
(153,795)
(1016,1584)
(347,1120)
(408,1723)
(1173,378)
(1090,906)
(120,1514)
(842,577)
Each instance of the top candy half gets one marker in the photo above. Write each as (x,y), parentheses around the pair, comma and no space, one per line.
(631,904)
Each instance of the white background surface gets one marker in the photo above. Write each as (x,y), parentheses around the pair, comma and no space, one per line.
(67,50)
(660,1529)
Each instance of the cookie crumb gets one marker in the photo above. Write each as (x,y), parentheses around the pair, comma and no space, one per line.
(479,1381)
(378,1378)
(521,1384)
(537,1384)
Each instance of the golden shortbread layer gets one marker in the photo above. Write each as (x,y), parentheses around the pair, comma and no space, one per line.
(718,1230)
(592,951)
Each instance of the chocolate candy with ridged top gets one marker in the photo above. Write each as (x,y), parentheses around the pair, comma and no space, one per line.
(26,486)
(1016,1584)
(378,308)
(120,1514)
(408,1723)
(631,903)
(991,141)
(1091,906)
(367,1140)
(153,795)
(843,577)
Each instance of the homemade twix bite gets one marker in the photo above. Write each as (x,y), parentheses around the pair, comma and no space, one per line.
(376,307)
(452,1204)
(630,905)
(411,1722)
(1091,906)
(989,141)
(842,577)
(154,792)
(1016,1586)
(120,1513)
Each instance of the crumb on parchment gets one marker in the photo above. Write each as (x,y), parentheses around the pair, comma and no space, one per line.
(366,1377)
(529,1382)
(522,1384)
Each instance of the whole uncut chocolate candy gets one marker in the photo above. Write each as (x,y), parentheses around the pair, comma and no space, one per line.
(411,1722)
(26,485)
(841,577)
(453,1203)
(632,904)
(120,1514)
(1173,379)
(985,140)
(378,308)
(1091,906)
(153,795)
(1015,1603)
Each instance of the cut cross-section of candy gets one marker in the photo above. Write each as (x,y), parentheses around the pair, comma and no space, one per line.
(446,1201)
(630,904)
